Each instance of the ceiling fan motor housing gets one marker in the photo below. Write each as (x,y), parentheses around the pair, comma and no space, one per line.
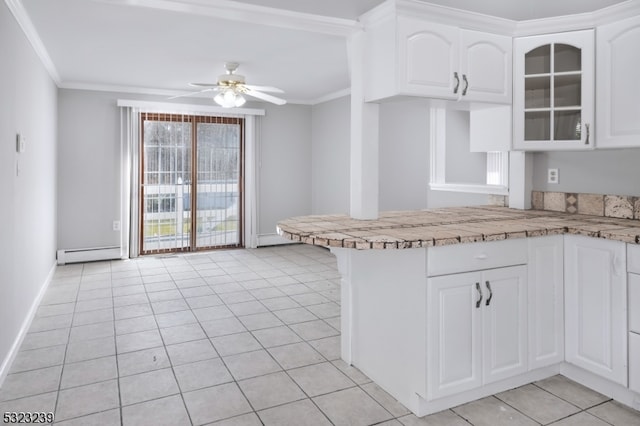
(231,79)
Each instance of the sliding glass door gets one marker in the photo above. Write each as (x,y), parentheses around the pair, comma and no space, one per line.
(219,183)
(191,182)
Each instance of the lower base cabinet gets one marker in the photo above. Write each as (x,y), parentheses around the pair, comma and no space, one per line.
(595,306)
(634,362)
(476,329)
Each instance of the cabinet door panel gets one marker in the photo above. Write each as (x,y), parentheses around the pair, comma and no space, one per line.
(546,301)
(634,362)
(428,59)
(634,302)
(453,329)
(595,295)
(618,84)
(504,323)
(486,64)
(553,99)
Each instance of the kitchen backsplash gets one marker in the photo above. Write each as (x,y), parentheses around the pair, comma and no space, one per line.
(618,206)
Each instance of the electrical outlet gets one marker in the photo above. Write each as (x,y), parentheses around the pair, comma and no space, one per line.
(552,176)
(116,225)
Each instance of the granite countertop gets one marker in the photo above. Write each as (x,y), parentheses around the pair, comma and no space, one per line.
(445,226)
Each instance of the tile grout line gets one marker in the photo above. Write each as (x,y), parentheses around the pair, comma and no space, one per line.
(64,358)
(115,349)
(283,370)
(164,346)
(582,410)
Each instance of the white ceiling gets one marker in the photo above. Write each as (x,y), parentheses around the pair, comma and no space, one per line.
(158,46)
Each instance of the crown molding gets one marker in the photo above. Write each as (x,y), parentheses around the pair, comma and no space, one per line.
(383,11)
(21,16)
(97,87)
(187,108)
(456,17)
(477,21)
(332,96)
(169,93)
(556,24)
(242,12)
(617,12)
(580,21)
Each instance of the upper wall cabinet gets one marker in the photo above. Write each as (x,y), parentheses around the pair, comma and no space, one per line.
(486,65)
(618,85)
(553,103)
(408,56)
(428,60)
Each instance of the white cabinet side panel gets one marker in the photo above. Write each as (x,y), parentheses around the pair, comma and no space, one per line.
(546,301)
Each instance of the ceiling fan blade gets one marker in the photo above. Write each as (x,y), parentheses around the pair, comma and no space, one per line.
(191,93)
(263,88)
(203,84)
(264,96)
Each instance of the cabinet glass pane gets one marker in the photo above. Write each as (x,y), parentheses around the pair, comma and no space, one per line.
(537,126)
(567,58)
(538,61)
(567,90)
(567,126)
(537,92)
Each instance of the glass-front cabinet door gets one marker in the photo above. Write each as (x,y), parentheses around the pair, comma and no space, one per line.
(553,104)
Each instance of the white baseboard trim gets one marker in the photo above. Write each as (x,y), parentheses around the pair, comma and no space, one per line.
(272,240)
(26,323)
(88,254)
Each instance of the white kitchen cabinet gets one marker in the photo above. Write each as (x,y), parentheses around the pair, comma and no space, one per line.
(486,66)
(634,362)
(633,267)
(595,306)
(476,328)
(553,101)
(454,334)
(428,59)
(618,85)
(433,60)
(504,323)
(546,301)
(634,303)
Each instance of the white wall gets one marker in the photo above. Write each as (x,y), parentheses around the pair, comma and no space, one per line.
(89,169)
(284,175)
(28,213)
(330,133)
(404,155)
(89,164)
(462,165)
(598,172)
(404,160)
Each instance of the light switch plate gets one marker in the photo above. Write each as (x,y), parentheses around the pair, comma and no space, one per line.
(20,143)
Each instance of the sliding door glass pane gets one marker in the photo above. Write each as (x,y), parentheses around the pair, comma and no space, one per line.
(218,207)
(166,214)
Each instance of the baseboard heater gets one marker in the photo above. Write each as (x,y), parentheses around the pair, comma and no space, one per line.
(88,254)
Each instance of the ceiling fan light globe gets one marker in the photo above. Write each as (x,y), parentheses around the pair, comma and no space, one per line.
(219,99)
(240,100)
(229,99)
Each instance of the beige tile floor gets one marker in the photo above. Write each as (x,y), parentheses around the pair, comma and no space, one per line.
(238,337)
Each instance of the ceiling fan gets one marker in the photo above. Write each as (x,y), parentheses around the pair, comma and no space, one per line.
(231,88)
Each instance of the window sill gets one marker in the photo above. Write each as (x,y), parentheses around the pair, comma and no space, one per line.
(470,188)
